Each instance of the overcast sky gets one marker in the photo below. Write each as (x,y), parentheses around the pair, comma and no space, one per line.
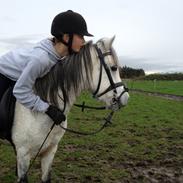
(149,33)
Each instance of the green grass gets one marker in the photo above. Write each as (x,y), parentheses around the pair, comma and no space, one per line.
(146,134)
(168,87)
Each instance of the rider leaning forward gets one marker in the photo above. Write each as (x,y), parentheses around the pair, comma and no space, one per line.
(23,66)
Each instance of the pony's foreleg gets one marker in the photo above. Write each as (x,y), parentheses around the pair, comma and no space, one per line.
(23,161)
(46,163)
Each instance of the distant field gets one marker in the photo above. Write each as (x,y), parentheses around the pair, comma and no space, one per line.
(144,144)
(168,87)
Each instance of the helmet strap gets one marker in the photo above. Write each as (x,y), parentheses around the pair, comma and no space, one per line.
(65,43)
(71,51)
(68,44)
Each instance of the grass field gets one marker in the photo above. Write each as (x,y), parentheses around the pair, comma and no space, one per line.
(144,144)
(168,87)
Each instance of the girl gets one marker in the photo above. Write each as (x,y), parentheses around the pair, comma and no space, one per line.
(24,66)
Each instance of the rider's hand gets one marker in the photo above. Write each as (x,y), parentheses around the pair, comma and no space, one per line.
(55,114)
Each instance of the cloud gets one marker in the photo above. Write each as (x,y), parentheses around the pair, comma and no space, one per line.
(21,40)
(10,43)
(151,65)
(7,19)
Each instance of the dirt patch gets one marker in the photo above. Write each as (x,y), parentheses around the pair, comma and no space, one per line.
(167,96)
(166,171)
(157,174)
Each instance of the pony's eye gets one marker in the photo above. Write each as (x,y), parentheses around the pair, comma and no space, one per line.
(114,68)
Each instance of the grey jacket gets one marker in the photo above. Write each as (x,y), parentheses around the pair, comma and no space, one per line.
(24,66)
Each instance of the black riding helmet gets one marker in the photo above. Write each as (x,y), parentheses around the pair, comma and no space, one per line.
(69,22)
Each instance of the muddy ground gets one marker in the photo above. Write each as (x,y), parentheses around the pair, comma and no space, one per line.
(167,96)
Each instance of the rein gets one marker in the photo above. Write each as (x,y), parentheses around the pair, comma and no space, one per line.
(83,106)
(108,120)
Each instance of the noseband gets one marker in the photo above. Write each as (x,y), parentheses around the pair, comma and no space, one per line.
(113,86)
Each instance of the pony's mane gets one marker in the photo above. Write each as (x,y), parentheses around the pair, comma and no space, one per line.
(68,74)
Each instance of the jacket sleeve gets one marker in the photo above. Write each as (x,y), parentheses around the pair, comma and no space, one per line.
(23,89)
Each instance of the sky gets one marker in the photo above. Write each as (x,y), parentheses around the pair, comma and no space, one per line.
(149,33)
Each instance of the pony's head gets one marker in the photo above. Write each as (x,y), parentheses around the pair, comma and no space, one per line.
(107,85)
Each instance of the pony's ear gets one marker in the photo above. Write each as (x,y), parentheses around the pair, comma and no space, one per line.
(106,41)
(111,41)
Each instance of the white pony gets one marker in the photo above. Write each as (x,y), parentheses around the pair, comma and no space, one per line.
(95,69)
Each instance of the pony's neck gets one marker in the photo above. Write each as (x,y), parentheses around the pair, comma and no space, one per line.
(72,97)
(85,85)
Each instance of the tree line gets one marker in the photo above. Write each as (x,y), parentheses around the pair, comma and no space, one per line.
(128,72)
(165,76)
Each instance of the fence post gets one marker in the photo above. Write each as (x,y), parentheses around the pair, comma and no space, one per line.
(154,84)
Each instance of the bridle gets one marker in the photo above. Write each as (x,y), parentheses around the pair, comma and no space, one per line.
(116,99)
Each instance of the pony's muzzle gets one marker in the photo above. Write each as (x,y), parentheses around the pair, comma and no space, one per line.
(123,97)
(120,101)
